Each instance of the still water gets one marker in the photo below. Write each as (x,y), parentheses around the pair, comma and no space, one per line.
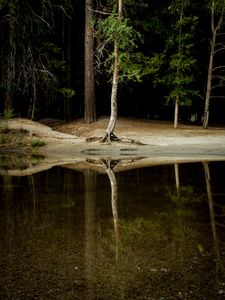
(150,233)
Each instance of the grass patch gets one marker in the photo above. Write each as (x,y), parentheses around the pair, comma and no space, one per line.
(18,140)
(37,143)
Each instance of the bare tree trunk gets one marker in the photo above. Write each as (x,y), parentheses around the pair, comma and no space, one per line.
(34,94)
(11,68)
(112,121)
(89,90)
(214,31)
(176,112)
(209,82)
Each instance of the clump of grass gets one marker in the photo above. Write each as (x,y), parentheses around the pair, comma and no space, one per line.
(35,143)
(8,114)
(2,139)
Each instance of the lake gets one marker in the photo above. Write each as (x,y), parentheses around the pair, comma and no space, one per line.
(146,233)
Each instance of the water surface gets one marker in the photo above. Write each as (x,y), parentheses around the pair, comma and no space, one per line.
(150,233)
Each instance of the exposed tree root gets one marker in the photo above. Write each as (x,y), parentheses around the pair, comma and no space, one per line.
(109,137)
(113,138)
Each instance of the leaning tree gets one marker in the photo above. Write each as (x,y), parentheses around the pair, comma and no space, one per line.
(179,77)
(118,56)
(109,133)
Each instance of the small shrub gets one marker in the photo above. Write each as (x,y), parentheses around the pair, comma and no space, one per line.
(8,114)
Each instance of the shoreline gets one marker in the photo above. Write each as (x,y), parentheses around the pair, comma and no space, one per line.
(161,144)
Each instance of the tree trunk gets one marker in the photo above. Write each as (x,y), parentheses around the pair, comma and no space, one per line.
(11,69)
(89,91)
(109,135)
(176,112)
(209,82)
(176,108)
(214,31)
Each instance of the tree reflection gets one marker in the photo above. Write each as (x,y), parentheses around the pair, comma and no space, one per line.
(212,217)
(89,198)
(177,179)
(109,165)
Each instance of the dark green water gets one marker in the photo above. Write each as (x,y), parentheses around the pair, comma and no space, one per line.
(66,235)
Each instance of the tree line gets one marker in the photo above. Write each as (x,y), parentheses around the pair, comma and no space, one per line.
(158,59)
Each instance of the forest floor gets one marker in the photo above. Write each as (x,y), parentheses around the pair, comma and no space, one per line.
(153,141)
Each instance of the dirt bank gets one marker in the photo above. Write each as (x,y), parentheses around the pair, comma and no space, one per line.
(143,143)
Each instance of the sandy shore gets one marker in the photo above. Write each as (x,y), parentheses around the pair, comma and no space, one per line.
(142,143)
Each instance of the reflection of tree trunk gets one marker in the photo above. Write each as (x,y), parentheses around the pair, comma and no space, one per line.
(177,179)
(8,196)
(114,196)
(211,211)
(90,188)
(33,192)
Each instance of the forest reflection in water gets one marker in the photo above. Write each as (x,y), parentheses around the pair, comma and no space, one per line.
(149,233)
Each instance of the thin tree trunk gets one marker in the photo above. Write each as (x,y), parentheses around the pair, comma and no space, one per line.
(177,179)
(34,95)
(10,71)
(176,112)
(114,196)
(212,213)
(112,121)
(69,68)
(90,243)
(89,90)
(177,100)
(209,82)
(214,31)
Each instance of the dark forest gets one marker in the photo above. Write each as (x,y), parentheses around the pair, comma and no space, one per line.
(170,52)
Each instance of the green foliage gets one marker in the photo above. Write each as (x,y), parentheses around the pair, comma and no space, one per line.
(67,92)
(35,143)
(179,76)
(112,27)
(218,5)
(133,64)
(11,4)
(8,114)
(3,139)
(2,3)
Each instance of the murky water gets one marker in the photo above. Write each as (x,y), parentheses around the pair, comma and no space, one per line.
(150,233)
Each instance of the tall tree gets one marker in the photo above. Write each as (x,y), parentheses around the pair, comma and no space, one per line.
(179,78)
(89,90)
(122,62)
(217,8)
(9,68)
